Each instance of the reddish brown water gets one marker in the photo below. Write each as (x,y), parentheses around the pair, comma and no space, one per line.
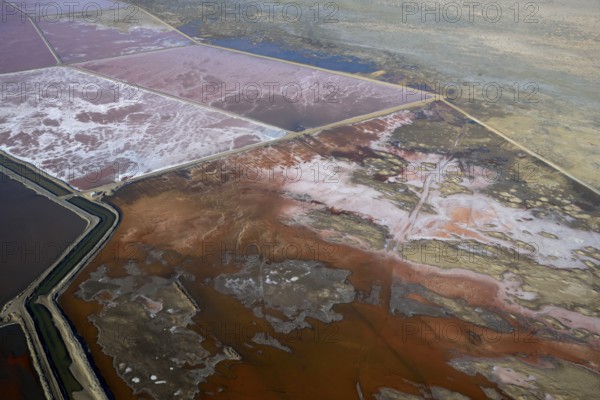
(18,378)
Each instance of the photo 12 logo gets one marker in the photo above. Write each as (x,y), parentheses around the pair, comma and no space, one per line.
(324,172)
(453,12)
(459,254)
(476,91)
(270,92)
(244,332)
(462,172)
(55,92)
(90,173)
(271,11)
(70,11)
(459,331)
(219,252)
(33,253)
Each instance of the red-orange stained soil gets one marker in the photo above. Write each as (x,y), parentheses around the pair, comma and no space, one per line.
(193,216)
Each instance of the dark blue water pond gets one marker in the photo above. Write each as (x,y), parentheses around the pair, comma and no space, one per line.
(348,64)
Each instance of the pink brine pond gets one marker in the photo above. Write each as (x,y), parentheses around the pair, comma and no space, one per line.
(289,96)
(89,131)
(21,47)
(108,35)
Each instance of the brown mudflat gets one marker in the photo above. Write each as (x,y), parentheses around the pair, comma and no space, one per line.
(344,263)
